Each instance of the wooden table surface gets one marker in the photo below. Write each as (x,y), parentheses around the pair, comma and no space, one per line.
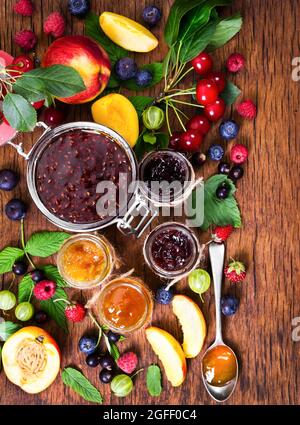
(261,331)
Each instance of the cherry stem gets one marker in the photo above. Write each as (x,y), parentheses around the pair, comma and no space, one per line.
(62,299)
(23,245)
(98,326)
(187,103)
(167,118)
(178,116)
(136,373)
(183,75)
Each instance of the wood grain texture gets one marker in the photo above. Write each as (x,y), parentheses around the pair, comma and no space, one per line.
(268,196)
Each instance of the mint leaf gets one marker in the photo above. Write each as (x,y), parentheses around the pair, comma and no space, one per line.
(44,244)
(225,31)
(196,42)
(154,380)
(8,256)
(230,93)
(19,113)
(52,273)
(7,329)
(56,310)
(140,103)
(81,385)
(156,69)
(25,288)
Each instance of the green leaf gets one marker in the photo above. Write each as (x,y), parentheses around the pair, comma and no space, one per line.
(196,42)
(19,113)
(149,138)
(177,12)
(8,256)
(56,310)
(81,385)
(113,82)
(225,31)
(216,211)
(7,329)
(52,273)
(140,103)
(156,69)
(154,380)
(112,348)
(93,30)
(32,92)
(25,288)
(44,244)
(230,93)
(162,140)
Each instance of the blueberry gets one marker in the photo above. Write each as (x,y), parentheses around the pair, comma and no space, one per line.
(236,172)
(20,268)
(224,168)
(151,15)
(107,362)
(222,192)
(198,159)
(229,129)
(8,180)
(87,344)
(229,305)
(163,296)
(40,317)
(15,209)
(106,376)
(92,360)
(37,275)
(126,68)
(216,152)
(113,337)
(143,77)
(79,8)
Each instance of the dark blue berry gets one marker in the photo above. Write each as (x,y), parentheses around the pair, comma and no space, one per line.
(143,77)
(151,15)
(125,68)
(8,180)
(93,360)
(107,362)
(236,172)
(106,376)
(79,8)
(224,168)
(163,296)
(229,130)
(222,192)
(216,152)
(229,305)
(37,275)
(15,209)
(113,337)
(88,344)
(20,268)
(40,317)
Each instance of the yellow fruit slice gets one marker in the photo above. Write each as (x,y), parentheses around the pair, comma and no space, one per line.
(118,113)
(127,33)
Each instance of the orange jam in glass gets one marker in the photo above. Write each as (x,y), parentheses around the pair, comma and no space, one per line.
(85,261)
(125,304)
(219,366)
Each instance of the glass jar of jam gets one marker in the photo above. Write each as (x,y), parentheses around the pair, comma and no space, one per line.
(85,260)
(125,305)
(171,250)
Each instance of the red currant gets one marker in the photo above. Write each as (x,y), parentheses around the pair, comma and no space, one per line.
(215,110)
(199,123)
(202,63)
(218,78)
(22,63)
(174,140)
(38,105)
(206,92)
(53,117)
(190,141)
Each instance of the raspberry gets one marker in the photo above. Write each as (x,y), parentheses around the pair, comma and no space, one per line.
(44,290)
(24,7)
(238,154)
(221,233)
(54,25)
(235,62)
(128,362)
(247,109)
(235,272)
(75,312)
(26,39)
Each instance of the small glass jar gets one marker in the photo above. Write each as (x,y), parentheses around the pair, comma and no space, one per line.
(85,260)
(171,250)
(125,305)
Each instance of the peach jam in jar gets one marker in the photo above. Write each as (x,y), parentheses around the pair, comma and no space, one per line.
(125,305)
(85,260)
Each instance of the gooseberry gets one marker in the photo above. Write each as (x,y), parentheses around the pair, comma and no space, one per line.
(153,118)
(24,311)
(121,385)
(199,281)
(7,300)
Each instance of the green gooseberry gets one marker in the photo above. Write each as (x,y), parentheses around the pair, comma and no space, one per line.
(199,281)
(7,300)
(24,311)
(153,118)
(121,385)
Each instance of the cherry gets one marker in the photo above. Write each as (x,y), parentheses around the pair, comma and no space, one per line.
(202,63)
(174,140)
(22,63)
(218,78)
(53,117)
(190,141)
(206,91)
(199,123)
(215,110)
(38,105)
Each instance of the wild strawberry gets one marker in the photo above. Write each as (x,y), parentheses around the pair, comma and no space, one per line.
(247,109)
(128,362)
(75,312)
(222,233)
(44,290)
(235,272)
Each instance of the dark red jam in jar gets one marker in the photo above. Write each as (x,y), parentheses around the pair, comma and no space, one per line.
(70,168)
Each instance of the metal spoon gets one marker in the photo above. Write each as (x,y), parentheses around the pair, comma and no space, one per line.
(218,393)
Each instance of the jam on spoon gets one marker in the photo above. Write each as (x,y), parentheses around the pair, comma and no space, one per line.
(219,366)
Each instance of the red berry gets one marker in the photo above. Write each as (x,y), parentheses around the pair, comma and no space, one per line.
(218,78)
(222,233)
(235,62)
(235,271)
(128,362)
(53,117)
(239,154)
(202,63)
(206,91)
(24,7)
(174,140)
(75,312)
(44,290)
(25,39)
(215,110)
(190,141)
(38,105)
(247,109)
(55,24)
(22,63)
(199,123)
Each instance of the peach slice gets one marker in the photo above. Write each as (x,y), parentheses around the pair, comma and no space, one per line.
(192,322)
(170,353)
(31,359)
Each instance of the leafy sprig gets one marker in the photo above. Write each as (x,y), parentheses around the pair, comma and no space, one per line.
(81,385)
